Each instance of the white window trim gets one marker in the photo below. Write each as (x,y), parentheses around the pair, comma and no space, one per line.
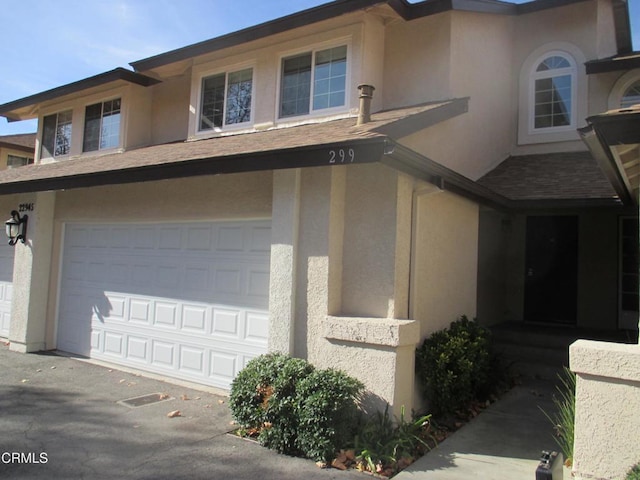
(526,98)
(325,112)
(621,86)
(102,151)
(40,135)
(234,127)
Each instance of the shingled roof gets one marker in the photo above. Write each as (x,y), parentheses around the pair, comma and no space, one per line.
(550,177)
(21,141)
(292,147)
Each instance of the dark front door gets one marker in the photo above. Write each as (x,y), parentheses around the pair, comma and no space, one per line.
(551,270)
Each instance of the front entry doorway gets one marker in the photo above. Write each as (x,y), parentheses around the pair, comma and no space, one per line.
(551,269)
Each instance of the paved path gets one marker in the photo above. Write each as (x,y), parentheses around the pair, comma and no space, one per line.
(68,409)
(503,443)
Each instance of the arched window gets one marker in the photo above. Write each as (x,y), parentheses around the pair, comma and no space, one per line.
(553,84)
(631,96)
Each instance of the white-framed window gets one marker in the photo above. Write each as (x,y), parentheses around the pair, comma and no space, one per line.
(14,161)
(226,99)
(552,94)
(631,95)
(56,134)
(313,81)
(553,88)
(625,91)
(102,125)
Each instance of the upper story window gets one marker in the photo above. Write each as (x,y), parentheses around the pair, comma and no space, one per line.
(226,99)
(553,83)
(631,96)
(14,161)
(56,134)
(313,81)
(102,126)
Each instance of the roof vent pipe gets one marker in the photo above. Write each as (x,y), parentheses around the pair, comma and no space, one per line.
(366,94)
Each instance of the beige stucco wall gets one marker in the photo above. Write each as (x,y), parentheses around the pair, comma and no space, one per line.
(607,404)
(417,61)
(377,233)
(314,212)
(444,260)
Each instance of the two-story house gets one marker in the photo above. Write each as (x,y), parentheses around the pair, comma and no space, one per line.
(336,184)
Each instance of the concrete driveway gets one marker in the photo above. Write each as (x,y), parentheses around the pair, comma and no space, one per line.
(63,418)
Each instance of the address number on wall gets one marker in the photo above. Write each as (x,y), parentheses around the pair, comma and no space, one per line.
(26,207)
(342,155)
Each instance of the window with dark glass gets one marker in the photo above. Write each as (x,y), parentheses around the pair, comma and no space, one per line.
(313,81)
(226,99)
(553,85)
(56,134)
(102,126)
(14,161)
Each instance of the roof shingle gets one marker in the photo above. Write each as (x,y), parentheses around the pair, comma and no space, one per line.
(556,176)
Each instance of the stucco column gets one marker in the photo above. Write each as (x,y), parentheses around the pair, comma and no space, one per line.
(284,239)
(31,272)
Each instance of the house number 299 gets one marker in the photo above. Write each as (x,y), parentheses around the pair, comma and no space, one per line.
(342,155)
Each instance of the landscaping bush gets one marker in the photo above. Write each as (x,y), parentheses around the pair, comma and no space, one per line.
(280,433)
(387,446)
(455,366)
(634,473)
(294,408)
(328,414)
(563,419)
(252,389)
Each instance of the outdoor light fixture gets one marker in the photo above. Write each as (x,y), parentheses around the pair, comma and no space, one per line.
(16,228)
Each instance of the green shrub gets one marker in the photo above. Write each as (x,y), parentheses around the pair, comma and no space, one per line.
(455,366)
(294,408)
(634,473)
(282,410)
(382,442)
(563,419)
(252,389)
(328,414)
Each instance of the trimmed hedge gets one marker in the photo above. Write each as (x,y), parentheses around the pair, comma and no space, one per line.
(454,366)
(295,408)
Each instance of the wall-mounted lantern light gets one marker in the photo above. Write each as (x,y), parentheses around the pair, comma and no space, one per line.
(16,228)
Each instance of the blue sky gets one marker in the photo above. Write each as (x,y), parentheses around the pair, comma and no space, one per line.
(47,44)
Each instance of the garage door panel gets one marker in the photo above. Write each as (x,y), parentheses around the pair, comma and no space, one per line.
(186,300)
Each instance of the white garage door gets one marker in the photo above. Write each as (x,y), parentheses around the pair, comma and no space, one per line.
(6,286)
(185,300)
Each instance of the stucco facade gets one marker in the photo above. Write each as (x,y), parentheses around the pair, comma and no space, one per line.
(382,231)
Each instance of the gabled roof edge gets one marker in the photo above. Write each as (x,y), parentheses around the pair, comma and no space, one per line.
(408,11)
(97,80)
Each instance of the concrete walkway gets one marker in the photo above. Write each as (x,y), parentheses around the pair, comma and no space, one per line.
(71,411)
(503,443)
(64,419)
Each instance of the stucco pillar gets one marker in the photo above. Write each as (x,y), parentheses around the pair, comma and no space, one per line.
(284,239)
(607,404)
(31,272)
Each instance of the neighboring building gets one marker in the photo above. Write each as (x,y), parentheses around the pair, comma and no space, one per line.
(233,197)
(15,151)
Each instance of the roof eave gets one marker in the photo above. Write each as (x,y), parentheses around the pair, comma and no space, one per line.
(7,110)
(406,10)
(604,133)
